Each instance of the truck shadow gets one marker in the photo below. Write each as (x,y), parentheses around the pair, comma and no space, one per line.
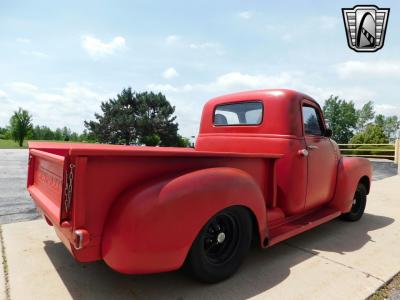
(262,270)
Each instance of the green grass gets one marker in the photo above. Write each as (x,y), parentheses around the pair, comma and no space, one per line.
(10,144)
(387,289)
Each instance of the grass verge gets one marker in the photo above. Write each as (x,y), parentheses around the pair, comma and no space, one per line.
(386,291)
(5,266)
(10,144)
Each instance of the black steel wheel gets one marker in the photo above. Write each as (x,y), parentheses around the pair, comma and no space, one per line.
(359,203)
(221,238)
(221,245)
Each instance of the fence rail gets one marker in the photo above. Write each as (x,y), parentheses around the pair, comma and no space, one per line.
(386,151)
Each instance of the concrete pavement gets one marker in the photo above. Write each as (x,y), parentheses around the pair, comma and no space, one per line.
(338,260)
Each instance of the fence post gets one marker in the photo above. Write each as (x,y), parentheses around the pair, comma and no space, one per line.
(397,155)
(397,151)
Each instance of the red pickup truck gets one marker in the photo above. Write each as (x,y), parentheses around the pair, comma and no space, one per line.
(263,170)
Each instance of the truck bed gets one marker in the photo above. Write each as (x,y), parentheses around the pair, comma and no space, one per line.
(102,173)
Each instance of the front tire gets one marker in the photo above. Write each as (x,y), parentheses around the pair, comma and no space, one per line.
(359,203)
(221,245)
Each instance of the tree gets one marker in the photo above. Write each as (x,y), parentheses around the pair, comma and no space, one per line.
(58,134)
(20,125)
(390,125)
(373,134)
(42,133)
(136,118)
(74,137)
(66,134)
(4,133)
(342,118)
(86,137)
(365,115)
(183,142)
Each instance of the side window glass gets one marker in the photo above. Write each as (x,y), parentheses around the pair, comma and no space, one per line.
(312,124)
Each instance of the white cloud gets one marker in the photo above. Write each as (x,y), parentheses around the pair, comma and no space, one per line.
(387,109)
(233,81)
(74,90)
(189,98)
(163,87)
(67,106)
(246,15)
(23,87)
(207,46)
(172,39)
(170,73)
(97,48)
(3,94)
(237,80)
(367,69)
(72,103)
(23,40)
(37,54)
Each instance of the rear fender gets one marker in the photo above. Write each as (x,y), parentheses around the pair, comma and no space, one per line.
(151,228)
(351,171)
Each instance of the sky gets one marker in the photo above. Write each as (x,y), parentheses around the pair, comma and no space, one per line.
(61,59)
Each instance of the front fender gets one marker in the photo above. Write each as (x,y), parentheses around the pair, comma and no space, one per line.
(151,228)
(351,171)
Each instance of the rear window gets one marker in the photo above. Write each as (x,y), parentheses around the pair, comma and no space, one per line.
(242,113)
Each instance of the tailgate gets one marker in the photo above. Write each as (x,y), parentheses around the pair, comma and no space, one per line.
(46,182)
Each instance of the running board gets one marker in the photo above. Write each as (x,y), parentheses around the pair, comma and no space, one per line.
(305,223)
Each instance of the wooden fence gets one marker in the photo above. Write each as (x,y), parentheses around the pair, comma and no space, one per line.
(386,151)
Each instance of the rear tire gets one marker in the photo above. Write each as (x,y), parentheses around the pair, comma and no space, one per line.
(359,203)
(221,245)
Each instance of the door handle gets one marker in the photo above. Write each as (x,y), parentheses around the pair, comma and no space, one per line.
(303,152)
(312,147)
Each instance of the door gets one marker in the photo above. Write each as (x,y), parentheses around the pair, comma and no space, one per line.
(321,159)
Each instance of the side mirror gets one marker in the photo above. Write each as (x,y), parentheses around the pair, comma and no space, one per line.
(328,132)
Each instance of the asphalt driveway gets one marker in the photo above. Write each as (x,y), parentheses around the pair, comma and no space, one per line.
(15,203)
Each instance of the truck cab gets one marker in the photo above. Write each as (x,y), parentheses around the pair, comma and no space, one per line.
(277,121)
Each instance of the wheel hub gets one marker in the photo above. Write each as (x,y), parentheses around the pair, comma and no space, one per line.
(221,237)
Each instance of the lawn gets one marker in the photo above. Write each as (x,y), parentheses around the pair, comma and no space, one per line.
(10,144)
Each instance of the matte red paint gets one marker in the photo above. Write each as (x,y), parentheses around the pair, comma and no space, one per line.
(140,208)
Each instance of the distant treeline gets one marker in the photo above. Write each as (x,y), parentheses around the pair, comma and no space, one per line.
(47,134)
